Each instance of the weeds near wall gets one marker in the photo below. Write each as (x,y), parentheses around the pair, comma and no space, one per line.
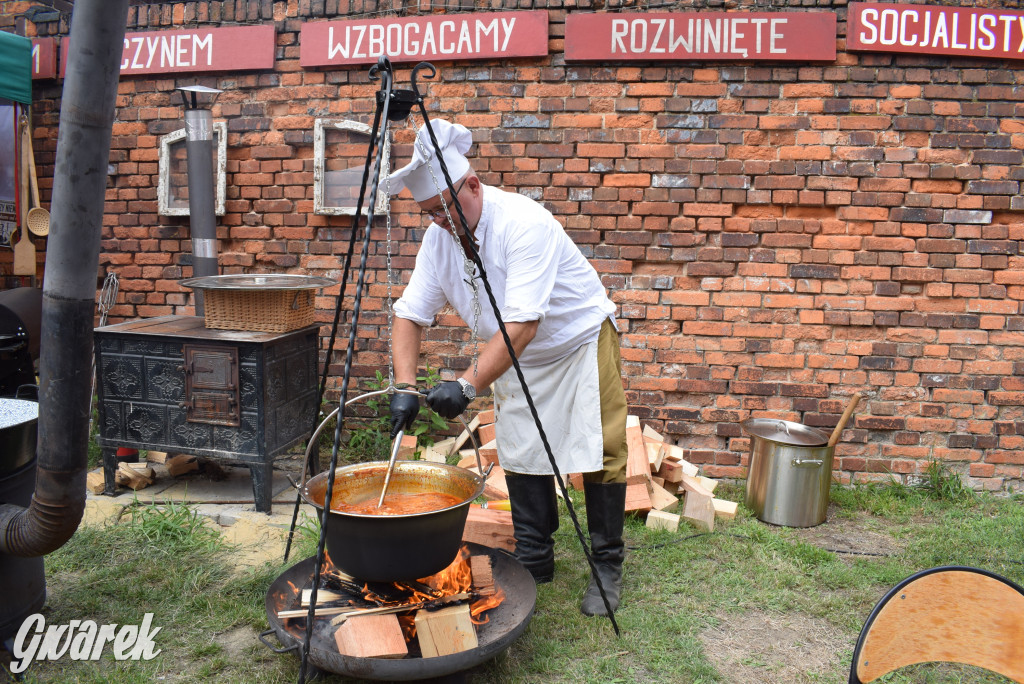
(943,484)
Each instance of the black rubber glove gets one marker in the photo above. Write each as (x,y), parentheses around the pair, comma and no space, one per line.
(404,409)
(447,399)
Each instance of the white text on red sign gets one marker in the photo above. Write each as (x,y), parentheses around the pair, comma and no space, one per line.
(936,30)
(701,35)
(451,37)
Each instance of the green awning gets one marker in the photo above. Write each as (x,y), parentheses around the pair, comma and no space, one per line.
(15,68)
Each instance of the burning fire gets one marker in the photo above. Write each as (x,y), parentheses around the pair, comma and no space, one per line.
(458,578)
(455,581)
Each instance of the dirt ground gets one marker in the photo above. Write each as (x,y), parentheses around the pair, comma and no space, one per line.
(757,648)
(762,648)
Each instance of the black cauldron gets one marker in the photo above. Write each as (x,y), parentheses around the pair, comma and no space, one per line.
(390,548)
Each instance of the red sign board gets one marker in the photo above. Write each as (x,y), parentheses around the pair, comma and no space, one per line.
(44,58)
(234,48)
(933,30)
(776,36)
(447,37)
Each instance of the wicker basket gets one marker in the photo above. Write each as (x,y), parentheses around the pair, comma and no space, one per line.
(258,310)
(278,303)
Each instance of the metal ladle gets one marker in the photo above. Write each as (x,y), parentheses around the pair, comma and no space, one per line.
(391,467)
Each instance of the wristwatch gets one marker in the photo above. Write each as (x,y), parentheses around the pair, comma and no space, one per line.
(468,390)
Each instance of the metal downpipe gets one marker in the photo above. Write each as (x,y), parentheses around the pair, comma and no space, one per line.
(69,292)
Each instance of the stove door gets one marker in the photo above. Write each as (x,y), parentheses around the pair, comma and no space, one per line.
(211,385)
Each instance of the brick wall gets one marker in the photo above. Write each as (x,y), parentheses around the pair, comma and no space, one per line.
(777,236)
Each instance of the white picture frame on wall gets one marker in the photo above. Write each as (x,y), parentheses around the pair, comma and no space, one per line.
(329,185)
(172,145)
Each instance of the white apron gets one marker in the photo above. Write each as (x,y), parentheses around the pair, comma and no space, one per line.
(567,395)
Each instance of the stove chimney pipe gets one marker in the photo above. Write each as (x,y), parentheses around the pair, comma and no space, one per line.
(72,263)
(199,161)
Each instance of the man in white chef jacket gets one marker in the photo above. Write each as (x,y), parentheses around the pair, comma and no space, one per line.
(561,324)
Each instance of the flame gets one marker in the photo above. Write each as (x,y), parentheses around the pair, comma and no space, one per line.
(328,565)
(456,578)
(485,604)
(281,600)
(408,624)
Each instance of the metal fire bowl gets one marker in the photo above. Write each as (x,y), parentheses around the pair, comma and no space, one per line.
(506,623)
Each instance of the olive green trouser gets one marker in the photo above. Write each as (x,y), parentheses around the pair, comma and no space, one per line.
(613,408)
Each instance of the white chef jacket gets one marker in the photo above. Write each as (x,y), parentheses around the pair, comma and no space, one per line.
(535,270)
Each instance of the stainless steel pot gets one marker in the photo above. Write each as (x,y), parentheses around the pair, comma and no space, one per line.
(389,548)
(790,472)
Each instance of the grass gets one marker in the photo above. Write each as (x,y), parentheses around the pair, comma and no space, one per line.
(747,603)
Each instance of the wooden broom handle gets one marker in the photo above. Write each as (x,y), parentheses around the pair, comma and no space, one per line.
(854,400)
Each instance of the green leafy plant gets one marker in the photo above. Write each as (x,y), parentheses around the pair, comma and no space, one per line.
(943,484)
(172,525)
(373,436)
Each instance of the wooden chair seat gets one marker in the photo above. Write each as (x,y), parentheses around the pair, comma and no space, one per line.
(945,614)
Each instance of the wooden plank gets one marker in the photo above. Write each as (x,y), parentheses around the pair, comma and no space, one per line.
(495,488)
(693,484)
(433,455)
(489,527)
(655,454)
(446,631)
(652,434)
(661,500)
(485,433)
(638,468)
(464,437)
(371,636)
(322,596)
(445,446)
(638,499)
(179,464)
(134,475)
(673,470)
(675,453)
(661,520)
(407,449)
(489,453)
(724,509)
(156,457)
(670,471)
(708,483)
(94,481)
(698,510)
(483,574)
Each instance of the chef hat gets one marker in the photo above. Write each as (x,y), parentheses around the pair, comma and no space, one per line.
(454,141)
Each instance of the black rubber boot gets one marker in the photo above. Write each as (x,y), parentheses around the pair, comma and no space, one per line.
(606,505)
(534,520)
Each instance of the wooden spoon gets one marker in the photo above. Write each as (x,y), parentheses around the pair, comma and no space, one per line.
(38,219)
(24,250)
(834,439)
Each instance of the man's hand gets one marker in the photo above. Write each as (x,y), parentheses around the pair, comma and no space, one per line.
(404,409)
(448,400)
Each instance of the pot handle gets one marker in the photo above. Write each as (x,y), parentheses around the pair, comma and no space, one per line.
(315,439)
(263,639)
(806,462)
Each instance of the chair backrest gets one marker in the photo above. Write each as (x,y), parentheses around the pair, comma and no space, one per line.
(946,614)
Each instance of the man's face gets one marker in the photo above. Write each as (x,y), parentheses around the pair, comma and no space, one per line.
(468,190)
